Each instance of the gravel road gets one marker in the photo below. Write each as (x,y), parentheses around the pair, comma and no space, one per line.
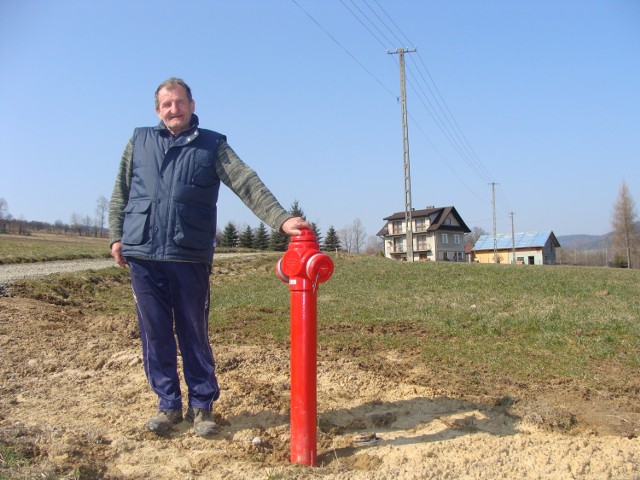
(17,271)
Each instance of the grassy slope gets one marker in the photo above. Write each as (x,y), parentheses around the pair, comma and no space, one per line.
(519,322)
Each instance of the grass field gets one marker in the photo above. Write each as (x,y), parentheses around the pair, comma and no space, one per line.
(45,247)
(521,322)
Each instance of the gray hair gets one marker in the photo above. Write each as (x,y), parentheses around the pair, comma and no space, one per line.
(173,82)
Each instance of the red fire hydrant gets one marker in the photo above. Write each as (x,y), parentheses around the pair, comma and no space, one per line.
(304,267)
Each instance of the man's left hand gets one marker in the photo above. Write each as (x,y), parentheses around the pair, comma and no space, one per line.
(294,226)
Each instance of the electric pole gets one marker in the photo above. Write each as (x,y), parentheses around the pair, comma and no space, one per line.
(405,153)
(495,238)
(513,240)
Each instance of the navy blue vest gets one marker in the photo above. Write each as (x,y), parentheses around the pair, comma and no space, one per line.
(171,212)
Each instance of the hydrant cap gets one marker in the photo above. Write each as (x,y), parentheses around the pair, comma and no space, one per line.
(320,266)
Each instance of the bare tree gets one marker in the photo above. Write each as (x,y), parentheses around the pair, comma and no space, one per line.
(373,245)
(76,222)
(102,207)
(623,222)
(472,237)
(5,216)
(353,237)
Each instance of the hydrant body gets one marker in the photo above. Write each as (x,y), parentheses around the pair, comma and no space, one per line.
(303,267)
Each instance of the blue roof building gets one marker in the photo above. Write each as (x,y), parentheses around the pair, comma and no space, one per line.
(531,248)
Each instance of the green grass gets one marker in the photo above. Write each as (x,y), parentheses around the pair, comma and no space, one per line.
(510,320)
(519,322)
(40,248)
(11,458)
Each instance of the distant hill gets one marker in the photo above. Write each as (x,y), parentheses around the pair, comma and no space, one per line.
(585,242)
(588,242)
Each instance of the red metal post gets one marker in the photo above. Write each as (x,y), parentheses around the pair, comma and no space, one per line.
(304,267)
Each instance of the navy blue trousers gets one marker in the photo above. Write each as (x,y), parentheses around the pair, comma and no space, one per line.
(175,295)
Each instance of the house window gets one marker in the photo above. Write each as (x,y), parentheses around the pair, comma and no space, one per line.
(444,238)
(421,242)
(397,227)
(456,239)
(421,224)
(398,245)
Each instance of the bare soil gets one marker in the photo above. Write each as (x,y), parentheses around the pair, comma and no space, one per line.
(74,400)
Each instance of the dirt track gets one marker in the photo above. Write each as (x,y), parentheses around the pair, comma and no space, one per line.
(73,397)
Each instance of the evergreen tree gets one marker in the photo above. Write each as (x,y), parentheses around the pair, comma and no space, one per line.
(261,238)
(229,236)
(246,239)
(332,241)
(296,211)
(278,241)
(316,232)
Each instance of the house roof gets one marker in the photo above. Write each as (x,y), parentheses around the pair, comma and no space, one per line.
(440,213)
(522,240)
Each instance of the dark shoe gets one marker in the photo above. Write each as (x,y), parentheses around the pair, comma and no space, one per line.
(162,422)
(203,423)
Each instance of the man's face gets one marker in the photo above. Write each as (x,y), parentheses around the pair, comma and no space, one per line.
(175,109)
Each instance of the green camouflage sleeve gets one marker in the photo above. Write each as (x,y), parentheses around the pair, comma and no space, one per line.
(120,194)
(245,183)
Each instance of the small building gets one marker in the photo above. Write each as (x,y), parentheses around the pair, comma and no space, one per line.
(438,235)
(531,248)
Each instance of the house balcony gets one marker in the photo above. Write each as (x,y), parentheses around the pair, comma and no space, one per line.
(420,247)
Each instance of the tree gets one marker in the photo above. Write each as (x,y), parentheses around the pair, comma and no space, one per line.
(102,206)
(373,245)
(625,230)
(229,236)
(316,232)
(76,222)
(353,236)
(246,239)
(4,215)
(261,238)
(295,210)
(331,241)
(470,239)
(278,241)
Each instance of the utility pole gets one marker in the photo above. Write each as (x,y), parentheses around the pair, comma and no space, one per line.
(405,153)
(495,238)
(513,240)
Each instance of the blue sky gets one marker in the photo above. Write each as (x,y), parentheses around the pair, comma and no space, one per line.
(541,97)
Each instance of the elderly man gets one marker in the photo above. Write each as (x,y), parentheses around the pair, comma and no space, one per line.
(162,222)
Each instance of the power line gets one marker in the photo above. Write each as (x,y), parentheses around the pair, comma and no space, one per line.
(365,26)
(442,116)
(343,48)
(421,83)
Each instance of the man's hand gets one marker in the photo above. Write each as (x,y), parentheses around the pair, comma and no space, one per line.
(116,253)
(292,226)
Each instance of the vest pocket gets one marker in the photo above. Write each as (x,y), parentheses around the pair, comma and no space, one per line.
(203,171)
(136,221)
(194,227)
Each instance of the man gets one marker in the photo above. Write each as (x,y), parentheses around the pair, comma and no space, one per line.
(162,222)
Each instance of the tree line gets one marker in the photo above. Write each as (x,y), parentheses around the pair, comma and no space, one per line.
(261,239)
(624,251)
(81,225)
(351,238)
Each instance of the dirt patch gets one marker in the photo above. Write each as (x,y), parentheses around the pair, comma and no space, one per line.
(74,400)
